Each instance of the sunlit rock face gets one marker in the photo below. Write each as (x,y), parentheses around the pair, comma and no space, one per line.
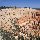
(22,16)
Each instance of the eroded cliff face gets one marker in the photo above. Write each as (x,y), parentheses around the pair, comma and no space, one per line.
(23,17)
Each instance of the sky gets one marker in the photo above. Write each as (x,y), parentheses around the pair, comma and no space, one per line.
(21,3)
